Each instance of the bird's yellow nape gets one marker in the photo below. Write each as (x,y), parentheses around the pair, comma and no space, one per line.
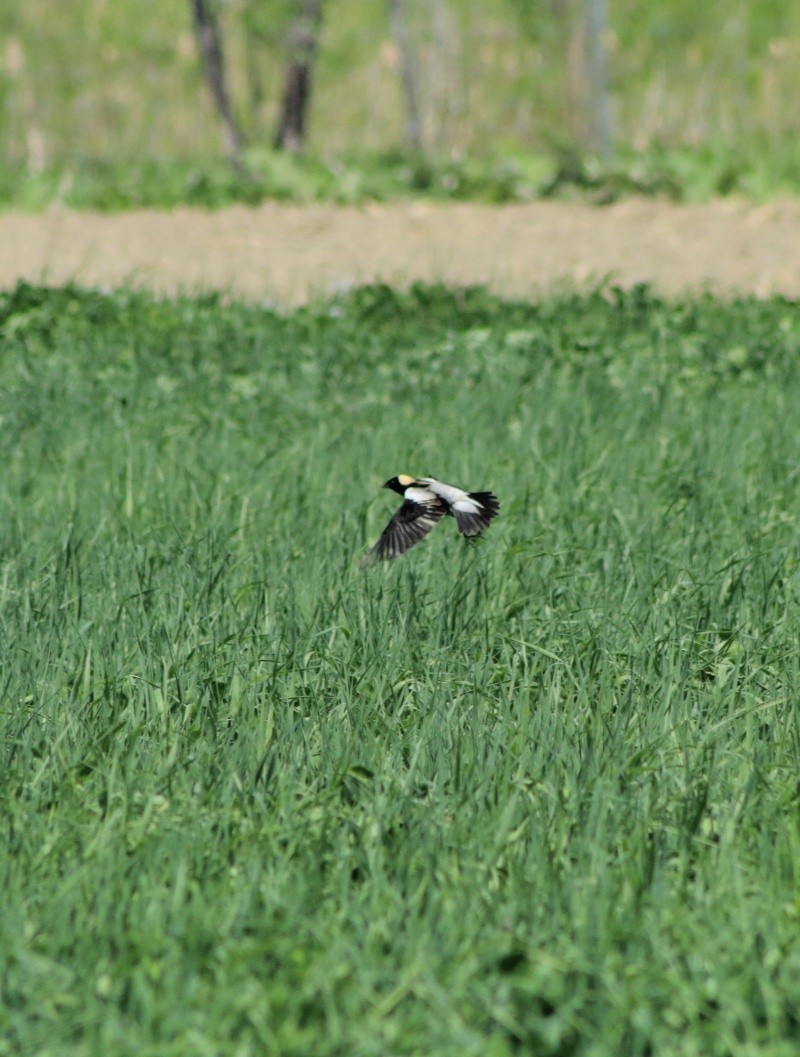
(404,479)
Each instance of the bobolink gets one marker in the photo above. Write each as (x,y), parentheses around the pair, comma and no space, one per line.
(426,501)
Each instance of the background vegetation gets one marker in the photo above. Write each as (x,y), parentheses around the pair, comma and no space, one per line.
(535,796)
(95,94)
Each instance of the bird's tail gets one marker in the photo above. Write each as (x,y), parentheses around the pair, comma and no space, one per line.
(474,517)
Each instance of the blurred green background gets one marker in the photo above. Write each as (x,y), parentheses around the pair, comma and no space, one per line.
(693,88)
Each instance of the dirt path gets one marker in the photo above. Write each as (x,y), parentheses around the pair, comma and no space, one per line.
(288,253)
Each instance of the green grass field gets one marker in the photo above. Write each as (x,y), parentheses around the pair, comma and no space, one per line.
(534,796)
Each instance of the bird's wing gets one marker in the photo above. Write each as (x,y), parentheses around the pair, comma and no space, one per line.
(413,519)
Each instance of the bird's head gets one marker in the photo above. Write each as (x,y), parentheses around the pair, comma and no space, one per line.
(400,483)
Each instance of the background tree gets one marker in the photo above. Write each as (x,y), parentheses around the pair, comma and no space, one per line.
(303,44)
(412,125)
(209,40)
(599,101)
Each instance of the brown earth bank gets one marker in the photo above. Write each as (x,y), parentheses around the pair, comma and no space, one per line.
(286,254)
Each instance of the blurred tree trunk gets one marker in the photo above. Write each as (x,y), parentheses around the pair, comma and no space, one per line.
(408,73)
(209,41)
(303,45)
(597,63)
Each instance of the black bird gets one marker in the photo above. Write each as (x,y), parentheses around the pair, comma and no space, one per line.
(426,501)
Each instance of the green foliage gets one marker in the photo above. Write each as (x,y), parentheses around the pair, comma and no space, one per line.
(536,796)
(119,84)
(684,176)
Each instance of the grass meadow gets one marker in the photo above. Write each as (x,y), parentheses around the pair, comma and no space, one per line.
(537,795)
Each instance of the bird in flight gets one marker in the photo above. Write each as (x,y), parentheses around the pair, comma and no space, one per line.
(426,501)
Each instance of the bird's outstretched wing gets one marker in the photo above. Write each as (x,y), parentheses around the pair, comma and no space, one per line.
(413,520)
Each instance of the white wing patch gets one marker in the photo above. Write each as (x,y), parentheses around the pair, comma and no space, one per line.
(420,495)
(448,492)
(467,505)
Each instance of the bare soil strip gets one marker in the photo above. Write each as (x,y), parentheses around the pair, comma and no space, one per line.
(287,254)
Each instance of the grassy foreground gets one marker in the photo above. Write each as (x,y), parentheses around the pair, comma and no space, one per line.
(538,795)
